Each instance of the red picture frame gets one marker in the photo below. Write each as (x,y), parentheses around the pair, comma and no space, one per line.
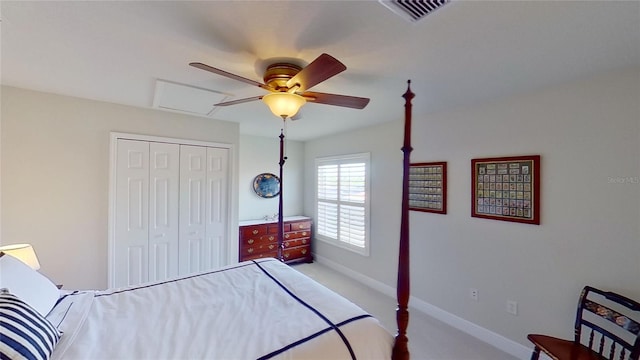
(506,188)
(428,187)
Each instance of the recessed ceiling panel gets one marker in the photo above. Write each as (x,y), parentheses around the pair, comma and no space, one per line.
(184,98)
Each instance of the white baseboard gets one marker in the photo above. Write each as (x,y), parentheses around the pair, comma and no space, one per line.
(509,346)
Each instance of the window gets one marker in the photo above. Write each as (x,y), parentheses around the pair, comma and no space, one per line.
(342,201)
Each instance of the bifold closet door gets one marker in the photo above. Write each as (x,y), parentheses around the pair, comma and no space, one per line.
(164,177)
(217,205)
(146,212)
(132,213)
(203,200)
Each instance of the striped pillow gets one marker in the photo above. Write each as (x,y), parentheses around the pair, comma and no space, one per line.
(24,333)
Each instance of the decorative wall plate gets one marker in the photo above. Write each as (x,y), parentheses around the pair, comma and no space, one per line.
(266,185)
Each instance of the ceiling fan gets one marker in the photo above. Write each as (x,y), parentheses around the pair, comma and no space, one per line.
(288,86)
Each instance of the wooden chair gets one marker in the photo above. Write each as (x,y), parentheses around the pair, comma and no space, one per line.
(611,330)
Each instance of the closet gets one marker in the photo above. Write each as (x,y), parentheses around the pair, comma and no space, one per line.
(170,210)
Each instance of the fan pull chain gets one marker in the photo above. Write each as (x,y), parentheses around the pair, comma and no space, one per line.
(286,140)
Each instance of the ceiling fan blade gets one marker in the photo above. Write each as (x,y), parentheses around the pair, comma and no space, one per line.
(239,101)
(320,69)
(337,100)
(229,75)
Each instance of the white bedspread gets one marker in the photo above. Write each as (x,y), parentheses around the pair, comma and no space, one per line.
(253,310)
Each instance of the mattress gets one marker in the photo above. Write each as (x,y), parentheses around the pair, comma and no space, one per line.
(259,309)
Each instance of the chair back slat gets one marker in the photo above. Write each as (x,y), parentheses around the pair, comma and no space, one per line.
(613,316)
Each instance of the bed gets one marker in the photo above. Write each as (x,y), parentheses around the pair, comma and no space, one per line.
(261,309)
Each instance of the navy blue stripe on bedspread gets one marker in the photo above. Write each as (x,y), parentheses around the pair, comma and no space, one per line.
(332,326)
(175,280)
(313,336)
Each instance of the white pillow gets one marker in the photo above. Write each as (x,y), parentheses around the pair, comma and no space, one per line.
(28,284)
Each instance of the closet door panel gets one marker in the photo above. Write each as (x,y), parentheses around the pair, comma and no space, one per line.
(217,203)
(132,210)
(164,177)
(193,247)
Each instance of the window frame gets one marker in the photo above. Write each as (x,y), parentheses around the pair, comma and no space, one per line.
(338,160)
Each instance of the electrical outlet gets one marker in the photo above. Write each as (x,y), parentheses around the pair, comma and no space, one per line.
(512,307)
(473,294)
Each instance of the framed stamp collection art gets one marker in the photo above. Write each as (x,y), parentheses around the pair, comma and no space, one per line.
(428,187)
(506,188)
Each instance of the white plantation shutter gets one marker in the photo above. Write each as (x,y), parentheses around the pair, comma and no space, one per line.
(342,201)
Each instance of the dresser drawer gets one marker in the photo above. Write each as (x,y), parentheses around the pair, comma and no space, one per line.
(253,231)
(296,242)
(258,240)
(297,252)
(257,249)
(300,225)
(273,254)
(273,228)
(297,235)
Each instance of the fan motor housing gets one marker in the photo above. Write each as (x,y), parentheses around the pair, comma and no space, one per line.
(278,74)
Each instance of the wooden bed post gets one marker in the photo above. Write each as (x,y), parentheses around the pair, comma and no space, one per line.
(400,348)
(280,216)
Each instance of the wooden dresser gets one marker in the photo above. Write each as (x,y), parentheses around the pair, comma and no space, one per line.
(259,239)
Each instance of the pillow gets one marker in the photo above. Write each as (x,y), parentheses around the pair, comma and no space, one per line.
(27,284)
(24,333)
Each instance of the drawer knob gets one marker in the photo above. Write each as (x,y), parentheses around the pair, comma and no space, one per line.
(271,247)
(304,233)
(271,238)
(250,241)
(303,251)
(255,232)
(300,226)
(304,241)
(286,236)
(286,255)
(250,250)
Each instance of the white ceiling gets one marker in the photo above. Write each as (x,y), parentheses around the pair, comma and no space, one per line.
(465,53)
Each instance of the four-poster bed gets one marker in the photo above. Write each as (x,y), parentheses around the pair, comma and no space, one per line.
(259,309)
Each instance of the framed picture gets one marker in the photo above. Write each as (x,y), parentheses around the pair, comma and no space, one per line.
(428,187)
(506,188)
(266,185)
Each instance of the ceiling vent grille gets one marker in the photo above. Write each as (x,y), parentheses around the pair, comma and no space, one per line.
(413,10)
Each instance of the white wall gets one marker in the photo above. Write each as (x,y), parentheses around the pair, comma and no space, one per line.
(588,134)
(55,175)
(383,142)
(261,155)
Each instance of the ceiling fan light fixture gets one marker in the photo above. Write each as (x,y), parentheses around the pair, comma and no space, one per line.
(284,104)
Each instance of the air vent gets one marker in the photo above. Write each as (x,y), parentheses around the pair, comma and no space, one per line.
(413,10)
